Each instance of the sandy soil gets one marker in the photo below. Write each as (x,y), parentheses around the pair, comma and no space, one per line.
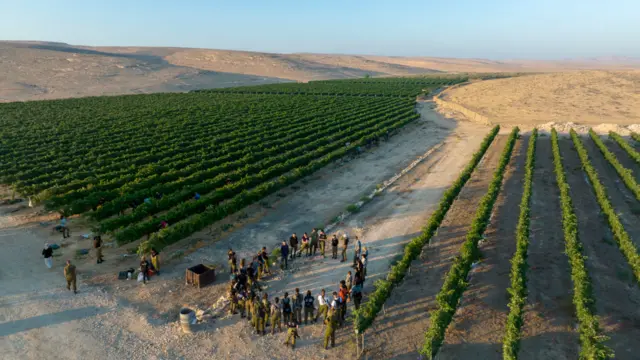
(46,70)
(483,310)
(399,332)
(548,330)
(113,319)
(585,97)
(617,297)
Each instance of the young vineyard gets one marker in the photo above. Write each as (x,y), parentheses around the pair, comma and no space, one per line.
(567,292)
(130,163)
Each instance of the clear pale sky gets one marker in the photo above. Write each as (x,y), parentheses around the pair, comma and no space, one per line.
(496,29)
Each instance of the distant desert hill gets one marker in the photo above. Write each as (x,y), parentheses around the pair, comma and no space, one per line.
(31,70)
(582,97)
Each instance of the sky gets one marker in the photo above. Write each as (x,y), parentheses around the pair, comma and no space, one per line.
(492,29)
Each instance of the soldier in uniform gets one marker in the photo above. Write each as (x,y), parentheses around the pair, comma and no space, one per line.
(258,313)
(292,334)
(275,316)
(232,261)
(322,239)
(345,246)
(70,276)
(314,241)
(233,300)
(267,307)
(242,303)
(331,323)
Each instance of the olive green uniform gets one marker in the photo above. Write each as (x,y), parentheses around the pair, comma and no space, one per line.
(70,276)
(258,321)
(292,334)
(275,318)
(266,306)
(330,331)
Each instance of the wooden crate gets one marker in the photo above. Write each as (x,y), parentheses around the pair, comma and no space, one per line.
(200,275)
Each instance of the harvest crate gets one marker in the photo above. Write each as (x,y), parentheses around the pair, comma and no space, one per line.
(200,275)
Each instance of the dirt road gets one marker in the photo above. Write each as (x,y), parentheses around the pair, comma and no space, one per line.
(124,320)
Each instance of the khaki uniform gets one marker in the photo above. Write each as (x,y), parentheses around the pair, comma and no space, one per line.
(323,242)
(275,318)
(258,320)
(242,305)
(330,331)
(292,334)
(266,306)
(70,276)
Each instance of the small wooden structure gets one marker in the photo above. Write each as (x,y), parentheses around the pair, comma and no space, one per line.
(200,275)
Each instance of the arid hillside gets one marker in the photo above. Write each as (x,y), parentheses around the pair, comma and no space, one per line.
(583,97)
(47,70)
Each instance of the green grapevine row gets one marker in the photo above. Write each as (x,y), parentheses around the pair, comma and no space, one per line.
(591,337)
(625,145)
(455,280)
(625,243)
(518,275)
(625,174)
(367,313)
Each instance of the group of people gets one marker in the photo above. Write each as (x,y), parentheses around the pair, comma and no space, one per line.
(246,296)
(309,245)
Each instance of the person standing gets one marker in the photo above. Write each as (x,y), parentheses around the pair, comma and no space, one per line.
(284,255)
(306,246)
(97,244)
(293,242)
(308,307)
(364,267)
(233,301)
(344,295)
(265,257)
(233,261)
(242,303)
(275,316)
(322,239)
(259,313)
(356,295)
(348,280)
(297,306)
(357,251)
(70,276)
(47,252)
(331,323)
(345,246)
(292,334)
(286,308)
(63,227)
(314,241)
(144,269)
(155,260)
(267,309)
(323,306)
(334,247)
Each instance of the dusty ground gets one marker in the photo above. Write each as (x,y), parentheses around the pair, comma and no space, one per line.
(617,296)
(549,322)
(45,70)
(113,319)
(586,97)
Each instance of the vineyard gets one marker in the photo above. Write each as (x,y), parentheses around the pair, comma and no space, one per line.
(127,163)
(533,253)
